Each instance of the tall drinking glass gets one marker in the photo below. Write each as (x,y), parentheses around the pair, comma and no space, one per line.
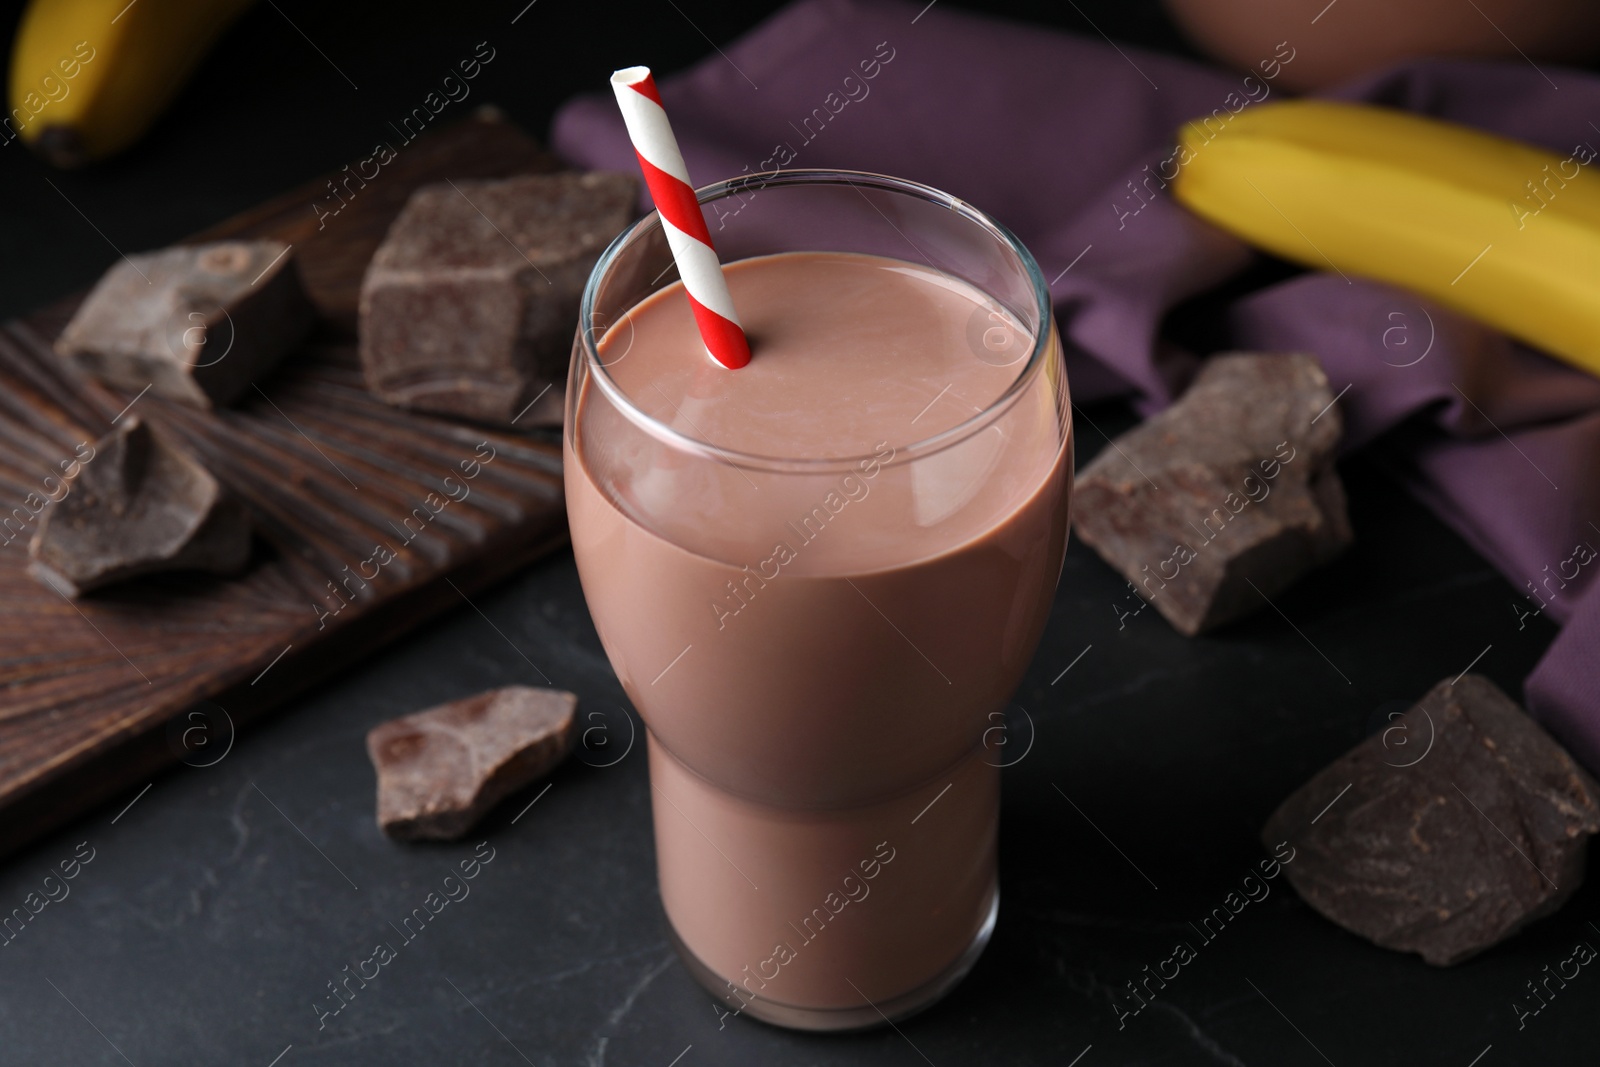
(821,583)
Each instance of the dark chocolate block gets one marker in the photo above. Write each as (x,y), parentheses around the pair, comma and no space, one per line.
(1231,485)
(470,304)
(441,770)
(138,506)
(1446,832)
(196,323)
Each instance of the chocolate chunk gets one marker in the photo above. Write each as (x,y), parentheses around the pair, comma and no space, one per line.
(470,303)
(138,506)
(1232,485)
(1457,824)
(197,323)
(441,770)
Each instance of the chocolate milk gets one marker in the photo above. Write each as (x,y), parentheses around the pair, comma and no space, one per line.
(819,652)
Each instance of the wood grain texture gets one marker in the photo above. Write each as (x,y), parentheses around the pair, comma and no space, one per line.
(89,689)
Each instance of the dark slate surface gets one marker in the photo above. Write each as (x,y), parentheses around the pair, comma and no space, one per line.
(220,904)
(218,907)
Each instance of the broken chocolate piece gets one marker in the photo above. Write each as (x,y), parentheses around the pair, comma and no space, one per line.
(441,770)
(196,323)
(1445,833)
(1232,485)
(470,303)
(138,506)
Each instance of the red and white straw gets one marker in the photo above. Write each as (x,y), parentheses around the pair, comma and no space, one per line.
(685,226)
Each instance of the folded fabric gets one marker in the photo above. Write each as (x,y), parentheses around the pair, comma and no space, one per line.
(1068,141)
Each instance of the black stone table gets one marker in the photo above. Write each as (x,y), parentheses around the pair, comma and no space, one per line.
(220,903)
(218,907)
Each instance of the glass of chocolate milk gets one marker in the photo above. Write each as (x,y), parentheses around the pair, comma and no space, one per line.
(821,576)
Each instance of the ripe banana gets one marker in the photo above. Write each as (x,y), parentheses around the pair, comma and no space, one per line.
(1499,230)
(88,77)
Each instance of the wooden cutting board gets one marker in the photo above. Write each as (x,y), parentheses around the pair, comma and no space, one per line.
(97,695)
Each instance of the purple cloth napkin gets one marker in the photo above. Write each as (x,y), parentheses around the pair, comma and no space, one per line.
(1062,138)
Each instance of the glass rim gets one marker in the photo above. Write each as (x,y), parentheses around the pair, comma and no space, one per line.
(961,431)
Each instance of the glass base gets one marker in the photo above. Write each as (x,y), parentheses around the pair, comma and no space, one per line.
(842,1019)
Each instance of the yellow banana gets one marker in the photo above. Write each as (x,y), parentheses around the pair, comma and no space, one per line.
(88,77)
(1499,230)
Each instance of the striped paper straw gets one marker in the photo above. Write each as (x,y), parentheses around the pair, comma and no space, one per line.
(685,227)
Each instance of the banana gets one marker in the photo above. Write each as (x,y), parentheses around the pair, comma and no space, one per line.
(1496,229)
(88,77)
